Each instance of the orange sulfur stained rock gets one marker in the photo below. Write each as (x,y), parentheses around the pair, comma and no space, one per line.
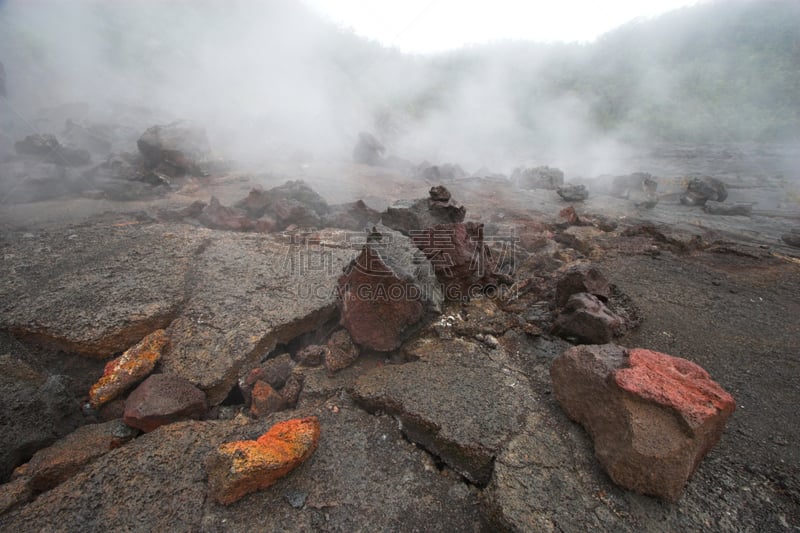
(128,369)
(236,469)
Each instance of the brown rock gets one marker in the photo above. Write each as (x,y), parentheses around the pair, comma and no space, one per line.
(14,493)
(387,291)
(341,351)
(265,400)
(652,417)
(312,355)
(128,369)
(54,465)
(163,399)
(586,320)
(274,371)
(291,391)
(582,278)
(238,468)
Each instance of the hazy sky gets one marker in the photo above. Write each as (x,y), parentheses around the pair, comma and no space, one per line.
(437,25)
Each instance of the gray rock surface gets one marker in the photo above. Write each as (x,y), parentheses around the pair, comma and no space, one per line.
(35,410)
(459,405)
(158,483)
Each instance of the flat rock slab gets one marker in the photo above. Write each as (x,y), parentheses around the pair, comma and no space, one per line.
(249,293)
(96,289)
(363,476)
(463,413)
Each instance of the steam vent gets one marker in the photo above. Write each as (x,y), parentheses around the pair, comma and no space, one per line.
(264,268)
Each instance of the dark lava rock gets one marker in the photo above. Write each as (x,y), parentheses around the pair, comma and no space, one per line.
(363,472)
(582,278)
(462,413)
(54,465)
(163,399)
(792,238)
(312,355)
(446,172)
(387,291)
(217,216)
(573,193)
(294,202)
(586,320)
(274,371)
(462,262)
(341,351)
(356,216)
(368,149)
(718,208)
(538,178)
(701,189)
(47,148)
(407,216)
(180,145)
(265,400)
(35,411)
(135,285)
(652,417)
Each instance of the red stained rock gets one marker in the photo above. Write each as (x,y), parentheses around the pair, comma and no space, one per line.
(163,399)
(128,369)
(675,383)
(236,469)
(386,291)
(652,417)
(265,400)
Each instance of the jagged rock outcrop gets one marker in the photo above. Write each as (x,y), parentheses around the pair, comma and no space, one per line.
(408,216)
(387,291)
(701,189)
(177,148)
(652,417)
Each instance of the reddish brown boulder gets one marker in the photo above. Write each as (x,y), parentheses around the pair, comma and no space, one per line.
(163,399)
(236,469)
(265,400)
(652,417)
(291,391)
(387,291)
(341,351)
(128,369)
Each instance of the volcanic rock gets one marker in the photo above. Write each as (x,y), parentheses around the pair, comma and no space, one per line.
(341,352)
(463,413)
(718,208)
(35,411)
(368,149)
(312,355)
(217,216)
(538,178)
(52,466)
(180,145)
(47,148)
(355,216)
(586,320)
(462,262)
(128,369)
(250,292)
(652,417)
(238,468)
(434,173)
(32,180)
(294,202)
(701,189)
(265,400)
(387,291)
(408,216)
(14,493)
(582,278)
(292,389)
(163,399)
(274,371)
(573,193)
(102,288)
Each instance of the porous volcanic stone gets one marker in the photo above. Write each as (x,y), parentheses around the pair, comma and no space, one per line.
(582,278)
(586,320)
(239,468)
(265,400)
(163,399)
(387,291)
(128,369)
(341,352)
(407,216)
(652,417)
